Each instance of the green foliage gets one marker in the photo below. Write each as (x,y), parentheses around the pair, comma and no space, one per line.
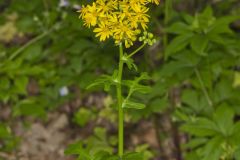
(8,140)
(83,116)
(208,105)
(199,32)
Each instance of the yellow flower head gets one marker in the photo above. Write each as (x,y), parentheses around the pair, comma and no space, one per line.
(123,20)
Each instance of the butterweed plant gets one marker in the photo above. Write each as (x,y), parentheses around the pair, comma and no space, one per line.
(125,21)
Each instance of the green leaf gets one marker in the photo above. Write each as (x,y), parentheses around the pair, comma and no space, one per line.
(158,105)
(199,44)
(5,131)
(223,91)
(4,83)
(203,21)
(21,84)
(77,149)
(33,52)
(221,25)
(134,85)
(201,127)
(212,150)
(236,82)
(105,80)
(194,100)
(130,62)
(178,43)
(237,153)
(224,119)
(132,105)
(29,107)
(103,155)
(83,116)
(207,12)
(81,45)
(179,28)
(196,142)
(235,138)
(132,156)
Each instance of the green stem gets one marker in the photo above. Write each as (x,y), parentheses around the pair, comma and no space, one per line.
(34,40)
(167,13)
(203,87)
(120,109)
(17,52)
(138,49)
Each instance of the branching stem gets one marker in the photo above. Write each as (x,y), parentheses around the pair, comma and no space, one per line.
(138,49)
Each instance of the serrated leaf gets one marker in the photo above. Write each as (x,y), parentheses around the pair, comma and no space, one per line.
(199,44)
(224,119)
(201,127)
(212,150)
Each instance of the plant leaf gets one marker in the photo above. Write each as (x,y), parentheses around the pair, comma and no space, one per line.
(133,105)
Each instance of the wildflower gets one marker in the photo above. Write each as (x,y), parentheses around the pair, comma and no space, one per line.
(122,20)
(103,31)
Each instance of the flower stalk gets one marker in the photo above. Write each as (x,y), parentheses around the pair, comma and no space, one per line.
(120,109)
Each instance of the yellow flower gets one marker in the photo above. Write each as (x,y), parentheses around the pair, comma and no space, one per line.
(90,20)
(89,14)
(105,6)
(140,14)
(123,20)
(103,32)
(154,1)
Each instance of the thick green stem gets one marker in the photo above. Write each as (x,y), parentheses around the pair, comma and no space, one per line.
(120,109)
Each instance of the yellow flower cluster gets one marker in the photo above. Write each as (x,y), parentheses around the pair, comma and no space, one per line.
(123,20)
